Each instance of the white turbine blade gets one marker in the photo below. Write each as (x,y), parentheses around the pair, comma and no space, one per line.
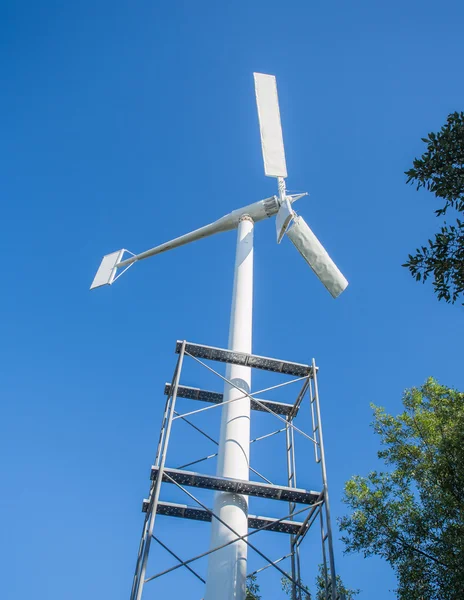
(316,256)
(107,269)
(272,142)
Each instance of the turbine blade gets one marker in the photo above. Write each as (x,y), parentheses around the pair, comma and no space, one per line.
(272,142)
(316,256)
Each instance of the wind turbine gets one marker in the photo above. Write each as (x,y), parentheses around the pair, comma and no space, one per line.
(226,579)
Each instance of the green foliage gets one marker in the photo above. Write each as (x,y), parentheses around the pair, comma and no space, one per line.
(441,171)
(413,514)
(252,590)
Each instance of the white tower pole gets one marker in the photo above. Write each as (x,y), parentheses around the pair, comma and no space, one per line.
(227,568)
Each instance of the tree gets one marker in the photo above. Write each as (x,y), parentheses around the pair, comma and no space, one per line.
(441,171)
(413,514)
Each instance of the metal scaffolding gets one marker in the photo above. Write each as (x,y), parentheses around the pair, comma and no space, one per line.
(312,505)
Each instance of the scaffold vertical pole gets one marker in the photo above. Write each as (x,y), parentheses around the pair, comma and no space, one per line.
(291,477)
(333,577)
(139,579)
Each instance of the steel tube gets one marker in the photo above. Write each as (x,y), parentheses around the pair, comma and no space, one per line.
(144,537)
(159,479)
(291,482)
(326,489)
(179,560)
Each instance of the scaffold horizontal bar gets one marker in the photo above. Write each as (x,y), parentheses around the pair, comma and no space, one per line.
(192,393)
(171,509)
(248,360)
(237,486)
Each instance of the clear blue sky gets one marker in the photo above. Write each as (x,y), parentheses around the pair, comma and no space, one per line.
(129,123)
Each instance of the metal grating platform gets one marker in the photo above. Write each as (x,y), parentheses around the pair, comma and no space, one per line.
(183,511)
(185,391)
(238,486)
(248,360)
